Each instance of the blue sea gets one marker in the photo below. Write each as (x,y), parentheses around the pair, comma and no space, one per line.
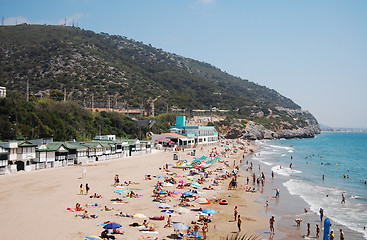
(341,158)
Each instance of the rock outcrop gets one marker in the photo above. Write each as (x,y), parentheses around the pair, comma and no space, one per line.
(254,131)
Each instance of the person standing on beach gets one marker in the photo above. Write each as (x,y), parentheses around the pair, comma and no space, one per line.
(168,221)
(86,189)
(308,229)
(239,222)
(321,211)
(235,212)
(332,235)
(277,192)
(343,199)
(205,229)
(272,174)
(317,231)
(271,222)
(341,234)
(81,189)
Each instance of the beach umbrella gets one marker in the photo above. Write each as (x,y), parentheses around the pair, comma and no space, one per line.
(163,205)
(93,237)
(180,226)
(187,193)
(167,211)
(209,211)
(202,201)
(181,181)
(182,210)
(139,215)
(162,192)
(120,191)
(195,184)
(112,226)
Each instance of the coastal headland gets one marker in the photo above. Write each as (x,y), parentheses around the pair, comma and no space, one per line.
(41,204)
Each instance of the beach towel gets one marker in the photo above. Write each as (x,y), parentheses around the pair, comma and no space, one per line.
(74,210)
(149,232)
(148,238)
(92,205)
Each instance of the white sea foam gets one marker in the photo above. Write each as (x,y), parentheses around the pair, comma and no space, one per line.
(266,163)
(351,214)
(284,171)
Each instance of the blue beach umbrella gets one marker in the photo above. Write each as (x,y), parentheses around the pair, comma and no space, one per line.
(195,184)
(187,193)
(167,211)
(163,205)
(93,237)
(209,211)
(112,226)
(120,191)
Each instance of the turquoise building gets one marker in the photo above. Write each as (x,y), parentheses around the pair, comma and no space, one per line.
(200,135)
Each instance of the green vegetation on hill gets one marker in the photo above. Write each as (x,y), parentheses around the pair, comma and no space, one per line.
(127,73)
(45,118)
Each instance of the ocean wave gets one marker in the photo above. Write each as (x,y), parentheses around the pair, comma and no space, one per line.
(284,171)
(351,214)
(266,163)
(279,147)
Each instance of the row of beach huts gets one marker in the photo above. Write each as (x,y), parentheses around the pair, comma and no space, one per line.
(29,155)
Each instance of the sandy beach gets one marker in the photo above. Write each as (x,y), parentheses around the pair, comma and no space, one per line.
(34,204)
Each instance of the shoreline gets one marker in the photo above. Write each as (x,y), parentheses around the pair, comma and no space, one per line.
(37,201)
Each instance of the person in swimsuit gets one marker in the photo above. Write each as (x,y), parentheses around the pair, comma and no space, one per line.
(239,222)
(271,222)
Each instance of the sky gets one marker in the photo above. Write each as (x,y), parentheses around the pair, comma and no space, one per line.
(313,52)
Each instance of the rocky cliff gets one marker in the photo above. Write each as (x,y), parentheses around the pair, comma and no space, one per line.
(254,131)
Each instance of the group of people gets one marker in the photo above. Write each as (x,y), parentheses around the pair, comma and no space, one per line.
(82,189)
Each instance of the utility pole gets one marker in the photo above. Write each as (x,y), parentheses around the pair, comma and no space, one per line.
(92,102)
(27,91)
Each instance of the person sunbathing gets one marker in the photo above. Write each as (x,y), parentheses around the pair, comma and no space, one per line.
(85,214)
(78,207)
(107,208)
(104,235)
(95,195)
(116,231)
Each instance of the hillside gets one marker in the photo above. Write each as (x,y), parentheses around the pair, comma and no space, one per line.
(54,59)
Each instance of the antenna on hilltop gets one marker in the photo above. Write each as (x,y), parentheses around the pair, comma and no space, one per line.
(73,22)
(65,22)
